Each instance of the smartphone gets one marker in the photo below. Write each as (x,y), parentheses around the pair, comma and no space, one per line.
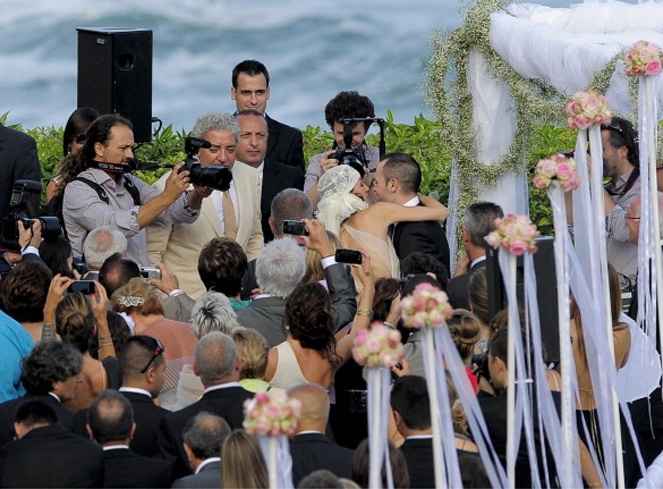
(296,228)
(147,272)
(85,287)
(349,256)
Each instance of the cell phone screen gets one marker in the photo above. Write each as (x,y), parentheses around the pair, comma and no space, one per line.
(348,256)
(85,287)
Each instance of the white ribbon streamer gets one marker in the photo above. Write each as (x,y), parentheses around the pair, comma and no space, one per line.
(276,452)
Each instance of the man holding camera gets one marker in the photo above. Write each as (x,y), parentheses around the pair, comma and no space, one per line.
(233,214)
(105,193)
(345,105)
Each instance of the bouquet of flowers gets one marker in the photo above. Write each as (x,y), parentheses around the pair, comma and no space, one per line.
(557,168)
(427,306)
(515,233)
(643,59)
(378,346)
(271,414)
(586,109)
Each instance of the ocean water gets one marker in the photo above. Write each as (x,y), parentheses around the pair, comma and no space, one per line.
(313,49)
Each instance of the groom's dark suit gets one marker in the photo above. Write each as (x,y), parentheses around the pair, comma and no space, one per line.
(423,236)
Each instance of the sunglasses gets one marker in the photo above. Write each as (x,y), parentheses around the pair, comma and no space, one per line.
(152,344)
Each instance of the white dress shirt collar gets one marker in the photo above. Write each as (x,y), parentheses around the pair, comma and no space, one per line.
(476,261)
(207,461)
(115,447)
(55,396)
(135,390)
(221,386)
(413,202)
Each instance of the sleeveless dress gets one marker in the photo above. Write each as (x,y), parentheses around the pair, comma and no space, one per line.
(384,261)
(288,372)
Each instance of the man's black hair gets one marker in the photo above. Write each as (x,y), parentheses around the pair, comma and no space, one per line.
(250,67)
(31,413)
(127,270)
(49,363)
(348,105)
(409,398)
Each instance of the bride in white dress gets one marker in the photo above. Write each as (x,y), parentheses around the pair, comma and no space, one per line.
(344,211)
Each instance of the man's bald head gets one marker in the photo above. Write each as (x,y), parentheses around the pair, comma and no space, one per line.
(315,406)
(111,418)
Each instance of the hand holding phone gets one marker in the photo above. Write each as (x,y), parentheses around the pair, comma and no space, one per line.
(85,287)
(295,227)
(352,257)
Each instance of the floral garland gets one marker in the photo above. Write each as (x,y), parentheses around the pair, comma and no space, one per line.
(535,101)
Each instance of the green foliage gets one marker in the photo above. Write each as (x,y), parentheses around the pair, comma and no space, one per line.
(423,139)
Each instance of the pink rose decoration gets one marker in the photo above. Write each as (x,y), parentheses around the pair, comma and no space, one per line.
(428,306)
(378,347)
(271,414)
(515,233)
(643,59)
(555,169)
(586,109)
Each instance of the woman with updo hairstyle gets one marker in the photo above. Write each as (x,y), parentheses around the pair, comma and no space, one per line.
(75,324)
(252,349)
(311,352)
(140,302)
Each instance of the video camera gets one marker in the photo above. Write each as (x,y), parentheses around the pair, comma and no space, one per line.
(355,157)
(23,205)
(217,177)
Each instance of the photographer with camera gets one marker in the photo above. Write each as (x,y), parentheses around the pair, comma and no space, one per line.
(345,105)
(105,193)
(232,212)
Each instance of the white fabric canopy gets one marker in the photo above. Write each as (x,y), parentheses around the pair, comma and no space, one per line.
(564,47)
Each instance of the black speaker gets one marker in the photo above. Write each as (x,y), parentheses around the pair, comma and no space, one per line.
(115,75)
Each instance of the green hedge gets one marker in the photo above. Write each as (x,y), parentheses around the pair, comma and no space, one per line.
(422,139)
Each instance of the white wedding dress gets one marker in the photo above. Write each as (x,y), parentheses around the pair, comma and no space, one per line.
(337,204)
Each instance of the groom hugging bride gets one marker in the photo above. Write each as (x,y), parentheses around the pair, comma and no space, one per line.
(367,219)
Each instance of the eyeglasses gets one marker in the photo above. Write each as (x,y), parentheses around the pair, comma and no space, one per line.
(149,343)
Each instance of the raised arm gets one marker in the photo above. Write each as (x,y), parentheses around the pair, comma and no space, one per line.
(431,210)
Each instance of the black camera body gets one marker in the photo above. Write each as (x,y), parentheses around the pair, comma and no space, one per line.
(24,207)
(355,157)
(217,177)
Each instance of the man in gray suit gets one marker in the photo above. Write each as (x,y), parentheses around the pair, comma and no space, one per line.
(203,438)
(280,268)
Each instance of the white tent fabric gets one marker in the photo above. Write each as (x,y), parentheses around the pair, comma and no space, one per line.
(564,47)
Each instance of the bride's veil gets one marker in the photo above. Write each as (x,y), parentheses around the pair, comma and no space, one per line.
(337,202)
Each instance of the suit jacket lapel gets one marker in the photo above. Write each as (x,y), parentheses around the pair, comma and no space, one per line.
(273,134)
(209,212)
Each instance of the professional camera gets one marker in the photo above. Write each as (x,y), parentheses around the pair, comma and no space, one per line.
(217,177)
(23,205)
(355,157)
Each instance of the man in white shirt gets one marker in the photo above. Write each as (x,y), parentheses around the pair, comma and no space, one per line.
(273,176)
(234,214)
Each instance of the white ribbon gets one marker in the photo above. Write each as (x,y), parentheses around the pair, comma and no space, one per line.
(379,385)
(276,452)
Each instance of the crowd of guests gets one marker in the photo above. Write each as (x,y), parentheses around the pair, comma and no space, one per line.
(133,371)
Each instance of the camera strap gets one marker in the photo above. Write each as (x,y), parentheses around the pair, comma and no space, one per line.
(103,196)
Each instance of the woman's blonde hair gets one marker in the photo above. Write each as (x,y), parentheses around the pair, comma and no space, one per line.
(252,352)
(242,462)
(137,296)
(314,270)
(457,412)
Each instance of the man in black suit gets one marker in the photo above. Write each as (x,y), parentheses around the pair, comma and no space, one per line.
(397,180)
(411,409)
(250,91)
(216,364)
(311,450)
(203,437)
(18,161)
(50,375)
(141,386)
(111,424)
(47,455)
(272,175)
(479,221)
